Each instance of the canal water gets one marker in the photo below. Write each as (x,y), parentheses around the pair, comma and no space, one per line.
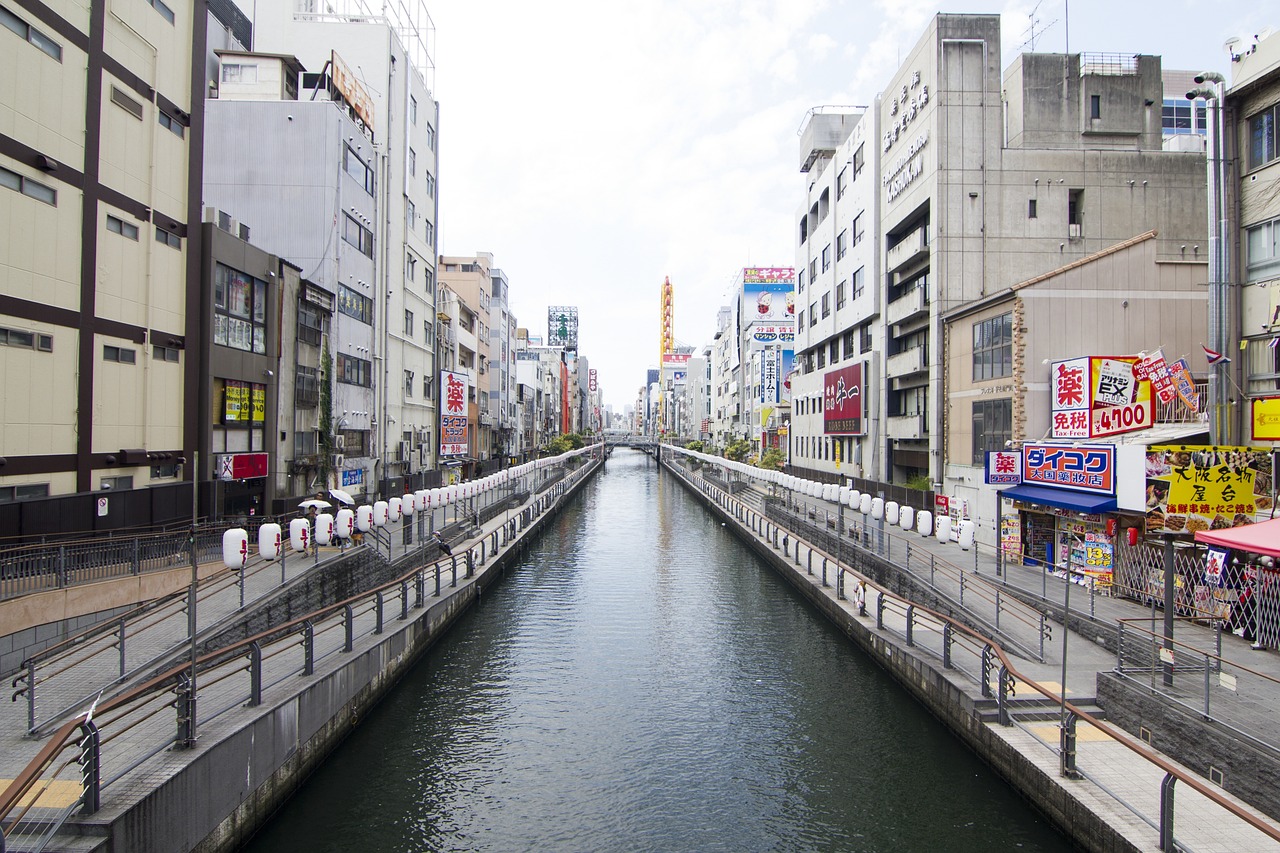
(640,682)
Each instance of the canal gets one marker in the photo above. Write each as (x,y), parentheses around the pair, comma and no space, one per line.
(640,681)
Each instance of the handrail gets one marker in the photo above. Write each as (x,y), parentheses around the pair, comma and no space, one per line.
(1118,735)
(60,739)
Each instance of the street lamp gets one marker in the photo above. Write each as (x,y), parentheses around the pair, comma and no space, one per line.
(1219,311)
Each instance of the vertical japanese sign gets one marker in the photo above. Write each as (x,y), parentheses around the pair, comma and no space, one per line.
(1098,396)
(1153,367)
(842,411)
(1184,384)
(453,413)
(769,375)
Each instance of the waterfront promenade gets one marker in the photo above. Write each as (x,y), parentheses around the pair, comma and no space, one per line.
(1113,775)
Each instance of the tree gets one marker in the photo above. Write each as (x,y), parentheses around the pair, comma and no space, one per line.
(737,450)
(695,445)
(771,460)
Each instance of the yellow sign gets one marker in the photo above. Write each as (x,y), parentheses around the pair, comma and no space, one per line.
(236,397)
(837,446)
(259,404)
(1266,419)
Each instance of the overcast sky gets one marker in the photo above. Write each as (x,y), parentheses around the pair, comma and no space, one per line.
(596,146)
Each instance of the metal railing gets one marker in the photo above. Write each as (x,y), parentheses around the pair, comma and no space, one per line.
(100,747)
(1089,755)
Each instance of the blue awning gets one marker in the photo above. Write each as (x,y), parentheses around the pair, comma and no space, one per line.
(1084,502)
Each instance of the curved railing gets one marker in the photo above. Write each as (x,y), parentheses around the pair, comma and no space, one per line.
(981,659)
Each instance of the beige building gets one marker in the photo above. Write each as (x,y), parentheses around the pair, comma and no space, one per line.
(466,294)
(100,159)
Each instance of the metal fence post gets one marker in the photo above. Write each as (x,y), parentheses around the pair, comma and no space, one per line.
(824,571)
(880,611)
(348,622)
(308,648)
(377,613)
(946,645)
(1166,812)
(911,624)
(90,761)
(1068,746)
(255,674)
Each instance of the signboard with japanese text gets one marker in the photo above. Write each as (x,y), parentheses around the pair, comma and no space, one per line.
(1011,536)
(591,380)
(1089,468)
(352,477)
(772,303)
(1099,396)
(1153,367)
(769,376)
(842,401)
(1266,418)
(1184,384)
(773,334)
(453,413)
(1004,467)
(1206,487)
(352,89)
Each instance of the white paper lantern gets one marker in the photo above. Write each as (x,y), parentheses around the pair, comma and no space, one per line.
(924,522)
(877,508)
(364,518)
(864,503)
(855,499)
(891,512)
(269,541)
(907,518)
(300,534)
(409,504)
(381,511)
(324,528)
(394,510)
(965,534)
(235,547)
(343,523)
(943,529)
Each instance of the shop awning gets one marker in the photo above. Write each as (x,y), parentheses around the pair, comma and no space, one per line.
(1260,538)
(1084,502)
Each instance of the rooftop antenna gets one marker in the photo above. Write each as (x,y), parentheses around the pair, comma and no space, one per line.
(1032,33)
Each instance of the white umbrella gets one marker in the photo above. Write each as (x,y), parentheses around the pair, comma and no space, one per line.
(314,502)
(340,495)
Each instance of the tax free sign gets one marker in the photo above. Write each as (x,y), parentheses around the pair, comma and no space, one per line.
(1097,396)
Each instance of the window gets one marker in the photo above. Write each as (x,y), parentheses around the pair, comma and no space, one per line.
(431,186)
(1095,106)
(239,72)
(358,169)
(859,160)
(426,386)
(813,270)
(116,225)
(165,471)
(800,319)
(35,37)
(410,267)
(25,340)
(116,483)
(992,427)
(409,325)
(311,324)
(173,241)
(840,294)
(857,229)
(1031,209)
(822,358)
(826,257)
(413,110)
(350,370)
(842,244)
(1262,137)
(170,124)
(1176,117)
(9,494)
(355,305)
(413,162)
(159,353)
(859,282)
(849,344)
(833,350)
(800,281)
(993,348)
(408,383)
(431,137)
(841,186)
(165,11)
(239,310)
(429,278)
(813,314)
(866,339)
(28,187)
(129,105)
(431,234)
(1075,209)
(357,235)
(119,355)
(826,305)
(411,213)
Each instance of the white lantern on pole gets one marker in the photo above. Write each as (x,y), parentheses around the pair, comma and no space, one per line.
(864,504)
(966,534)
(409,505)
(877,508)
(380,513)
(269,541)
(344,523)
(907,518)
(394,510)
(924,522)
(300,534)
(324,528)
(891,512)
(235,547)
(943,531)
(364,518)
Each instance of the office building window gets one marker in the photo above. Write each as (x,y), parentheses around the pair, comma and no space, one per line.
(165,11)
(1031,209)
(32,35)
(841,290)
(355,305)
(408,383)
(413,162)
(842,244)
(857,229)
(173,241)
(171,124)
(431,137)
(410,267)
(992,427)
(1262,136)
(431,185)
(993,348)
(162,353)
(28,187)
(841,186)
(409,325)
(826,305)
(357,235)
(239,310)
(413,110)
(358,169)
(826,257)
(859,160)
(25,340)
(126,103)
(116,225)
(119,355)
(9,494)
(350,370)
(859,282)
(1095,106)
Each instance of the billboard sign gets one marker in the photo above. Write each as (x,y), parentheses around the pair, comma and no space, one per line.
(1087,468)
(1266,418)
(768,301)
(241,466)
(453,413)
(842,411)
(1004,467)
(1097,396)
(562,326)
(591,380)
(1203,487)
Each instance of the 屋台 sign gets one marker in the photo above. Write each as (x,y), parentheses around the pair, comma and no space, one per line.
(1088,468)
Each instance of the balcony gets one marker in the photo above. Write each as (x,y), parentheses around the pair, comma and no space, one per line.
(906,427)
(913,306)
(913,247)
(906,363)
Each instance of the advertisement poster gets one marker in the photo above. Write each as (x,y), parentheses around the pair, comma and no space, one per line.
(453,414)
(1154,368)
(769,302)
(1004,467)
(1090,468)
(1192,488)
(1011,536)
(1185,384)
(1099,396)
(842,401)
(1215,562)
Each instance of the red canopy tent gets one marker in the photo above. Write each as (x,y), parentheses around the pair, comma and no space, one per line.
(1260,538)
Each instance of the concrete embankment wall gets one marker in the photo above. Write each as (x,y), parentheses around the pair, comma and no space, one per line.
(243,771)
(946,695)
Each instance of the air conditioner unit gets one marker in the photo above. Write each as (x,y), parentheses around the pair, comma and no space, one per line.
(424,458)
(1074,230)
(339,443)
(402,452)
(338,459)
(424,436)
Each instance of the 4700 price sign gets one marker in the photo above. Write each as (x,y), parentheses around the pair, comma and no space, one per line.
(1116,419)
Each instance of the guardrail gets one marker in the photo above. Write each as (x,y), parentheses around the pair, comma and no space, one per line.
(986,663)
(97,748)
